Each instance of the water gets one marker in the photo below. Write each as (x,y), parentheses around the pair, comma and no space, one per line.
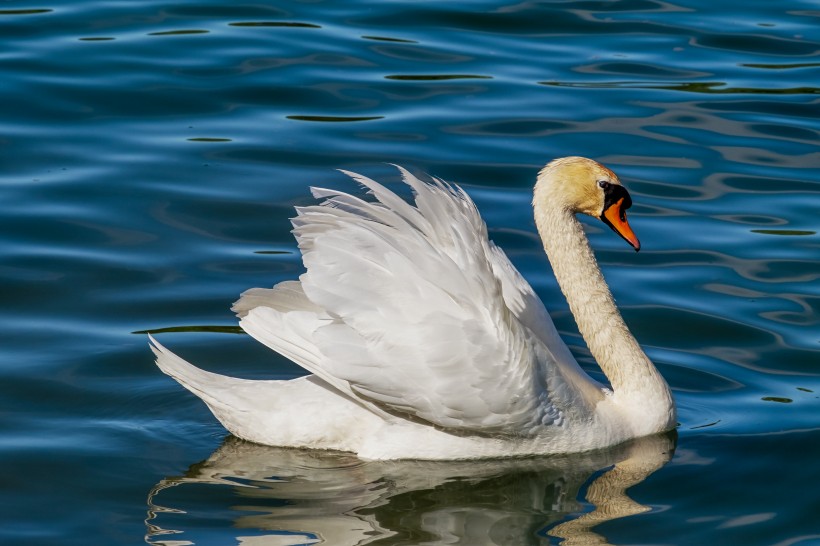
(153,152)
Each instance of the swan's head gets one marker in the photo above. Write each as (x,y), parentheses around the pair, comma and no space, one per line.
(582,185)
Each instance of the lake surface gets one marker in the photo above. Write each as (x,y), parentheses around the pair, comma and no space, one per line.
(152,154)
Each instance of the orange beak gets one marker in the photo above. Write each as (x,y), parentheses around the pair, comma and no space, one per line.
(615,217)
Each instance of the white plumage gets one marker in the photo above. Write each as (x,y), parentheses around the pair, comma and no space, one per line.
(423,339)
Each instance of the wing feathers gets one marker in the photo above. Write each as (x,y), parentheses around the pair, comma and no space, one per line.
(404,307)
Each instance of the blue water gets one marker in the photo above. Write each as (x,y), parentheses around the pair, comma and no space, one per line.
(151,156)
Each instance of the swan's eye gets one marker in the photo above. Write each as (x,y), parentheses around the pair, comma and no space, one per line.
(603,184)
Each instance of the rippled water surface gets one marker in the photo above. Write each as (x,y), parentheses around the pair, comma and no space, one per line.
(152,153)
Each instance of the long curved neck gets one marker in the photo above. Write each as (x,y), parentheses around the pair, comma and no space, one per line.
(633,377)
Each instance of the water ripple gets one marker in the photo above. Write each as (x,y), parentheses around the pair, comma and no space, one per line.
(153,153)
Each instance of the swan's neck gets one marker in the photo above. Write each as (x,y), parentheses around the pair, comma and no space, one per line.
(635,381)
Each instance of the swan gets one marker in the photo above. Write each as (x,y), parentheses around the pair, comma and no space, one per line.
(424,342)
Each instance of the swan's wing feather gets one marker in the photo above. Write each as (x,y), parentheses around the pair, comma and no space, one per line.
(285,297)
(566,378)
(284,319)
(528,308)
(417,318)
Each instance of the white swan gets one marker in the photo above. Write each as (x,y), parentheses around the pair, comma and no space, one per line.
(424,342)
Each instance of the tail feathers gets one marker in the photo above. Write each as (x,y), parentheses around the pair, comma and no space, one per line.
(218,391)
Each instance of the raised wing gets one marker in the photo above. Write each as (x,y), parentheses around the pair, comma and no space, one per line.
(413,315)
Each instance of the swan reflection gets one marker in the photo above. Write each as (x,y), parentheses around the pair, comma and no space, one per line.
(273,496)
